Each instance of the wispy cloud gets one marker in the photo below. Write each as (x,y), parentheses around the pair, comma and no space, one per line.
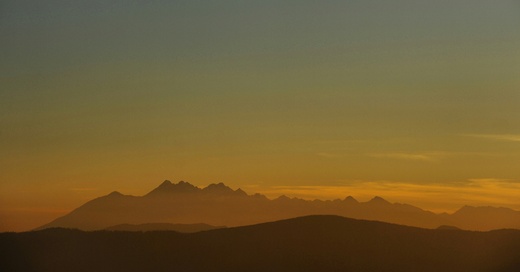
(493,183)
(429,156)
(329,155)
(83,189)
(437,197)
(497,137)
(345,142)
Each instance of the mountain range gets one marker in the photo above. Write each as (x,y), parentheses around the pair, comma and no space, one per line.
(219,205)
(311,243)
(184,228)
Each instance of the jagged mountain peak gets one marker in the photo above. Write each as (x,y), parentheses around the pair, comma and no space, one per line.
(378,200)
(221,189)
(240,192)
(169,187)
(259,196)
(186,185)
(464,208)
(217,186)
(469,210)
(350,199)
(283,198)
(166,183)
(115,194)
(214,189)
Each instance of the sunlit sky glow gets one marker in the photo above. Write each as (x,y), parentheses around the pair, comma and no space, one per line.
(415,101)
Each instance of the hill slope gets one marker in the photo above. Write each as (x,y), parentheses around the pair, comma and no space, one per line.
(184,228)
(312,243)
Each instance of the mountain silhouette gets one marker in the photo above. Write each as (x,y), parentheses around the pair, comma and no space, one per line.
(184,228)
(167,187)
(350,199)
(377,200)
(311,243)
(219,205)
(445,227)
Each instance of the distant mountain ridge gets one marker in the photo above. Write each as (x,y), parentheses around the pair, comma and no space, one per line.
(184,228)
(219,205)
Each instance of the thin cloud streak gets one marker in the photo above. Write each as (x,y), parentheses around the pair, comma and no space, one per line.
(83,189)
(430,157)
(329,155)
(433,197)
(497,137)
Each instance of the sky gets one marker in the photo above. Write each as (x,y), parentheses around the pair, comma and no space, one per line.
(415,101)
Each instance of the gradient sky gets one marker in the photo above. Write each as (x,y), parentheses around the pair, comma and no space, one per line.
(416,101)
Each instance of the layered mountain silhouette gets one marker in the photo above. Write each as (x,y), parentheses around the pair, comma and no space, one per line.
(311,243)
(219,205)
(184,228)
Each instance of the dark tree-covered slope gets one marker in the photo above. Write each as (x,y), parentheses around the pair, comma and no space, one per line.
(311,243)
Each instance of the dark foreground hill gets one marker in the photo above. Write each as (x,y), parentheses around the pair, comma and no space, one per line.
(311,243)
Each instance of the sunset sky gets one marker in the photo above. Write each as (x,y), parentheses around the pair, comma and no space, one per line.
(415,101)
